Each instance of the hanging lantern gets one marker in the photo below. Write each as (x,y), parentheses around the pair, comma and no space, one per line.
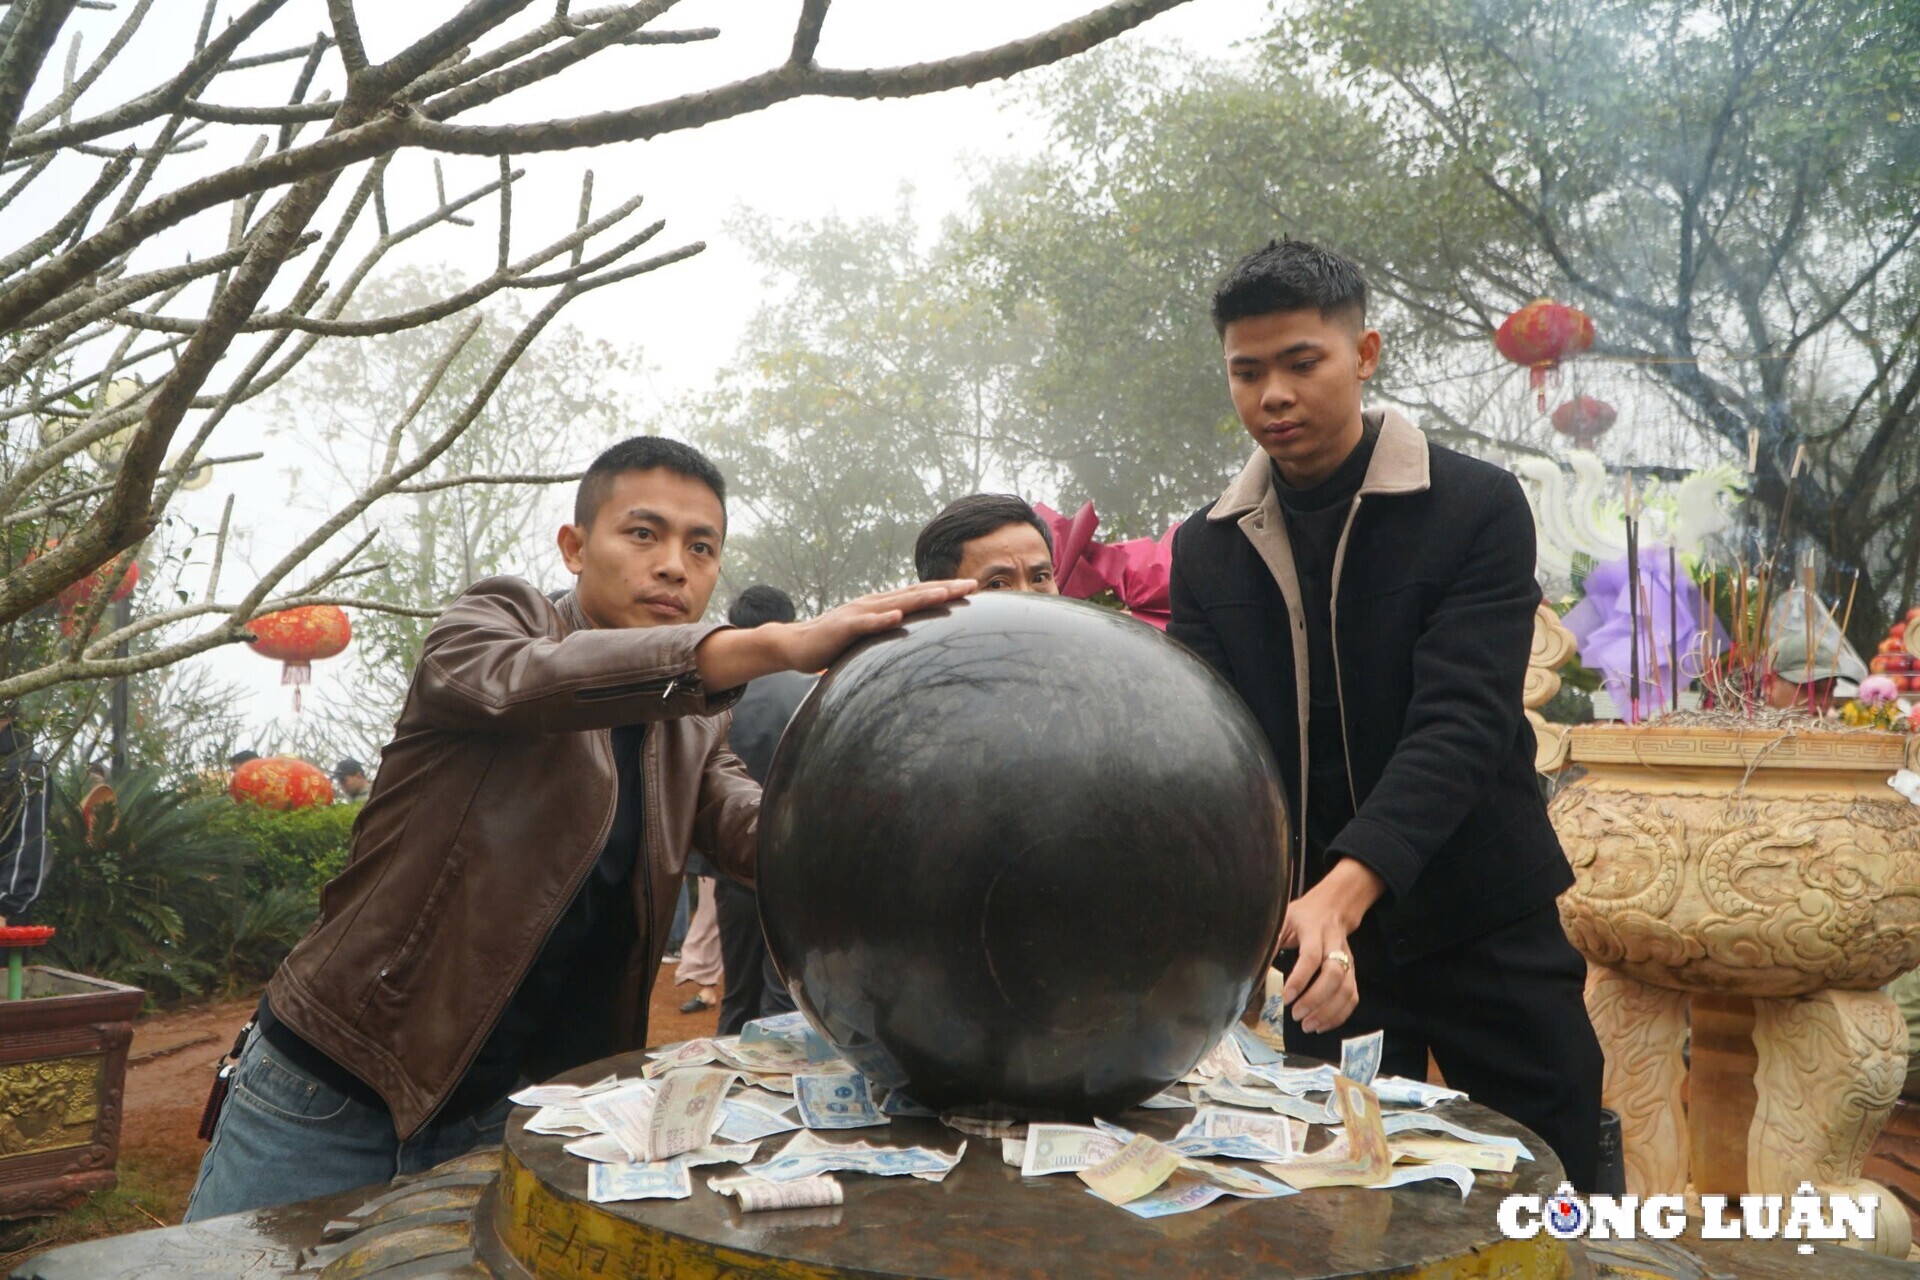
(108,450)
(74,599)
(299,638)
(1540,335)
(1584,418)
(281,782)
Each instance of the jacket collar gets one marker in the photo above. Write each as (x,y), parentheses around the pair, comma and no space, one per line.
(1398,466)
(572,618)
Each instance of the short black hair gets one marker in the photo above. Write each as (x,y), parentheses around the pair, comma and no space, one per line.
(239,758)
(347,767)
(1290,275)
(759,605)
(643,453)
(937,551)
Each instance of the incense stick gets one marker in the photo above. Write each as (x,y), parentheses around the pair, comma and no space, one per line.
(1673,622)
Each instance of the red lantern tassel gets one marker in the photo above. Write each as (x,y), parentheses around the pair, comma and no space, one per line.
(296,674)
(1537,379)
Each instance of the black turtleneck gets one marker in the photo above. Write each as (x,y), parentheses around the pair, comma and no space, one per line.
(1315,517)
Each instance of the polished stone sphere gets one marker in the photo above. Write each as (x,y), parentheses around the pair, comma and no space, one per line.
(1022,857)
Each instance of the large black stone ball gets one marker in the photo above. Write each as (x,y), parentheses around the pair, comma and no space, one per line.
(1024,857)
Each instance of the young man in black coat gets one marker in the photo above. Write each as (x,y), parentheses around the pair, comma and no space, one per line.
(1372,598)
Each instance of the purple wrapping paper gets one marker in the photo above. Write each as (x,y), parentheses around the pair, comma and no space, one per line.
(1602,625)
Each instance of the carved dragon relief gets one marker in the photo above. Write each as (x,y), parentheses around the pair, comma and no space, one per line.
(1754,895)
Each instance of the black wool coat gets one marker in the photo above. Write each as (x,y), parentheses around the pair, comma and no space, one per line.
(1433,619)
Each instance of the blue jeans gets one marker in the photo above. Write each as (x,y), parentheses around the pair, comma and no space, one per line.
(284,1137)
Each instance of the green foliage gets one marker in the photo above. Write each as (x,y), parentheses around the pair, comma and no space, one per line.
(183,894)
(300,850)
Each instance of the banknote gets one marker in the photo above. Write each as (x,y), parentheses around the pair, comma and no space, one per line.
(1256,1051)
(559,1095)
(978,1127)
(667,1180)
(1166,1100)
(1294,1080)
(1183,1194)
(744,1121)
(1458,1175)
(1131,1172)
(839,1101)
(603,1149)
(623,1113)
(694,1053)
(686,1110)
(765,1057)
(1224,1061)
(1271,1026)
(1413,1093)
(1423,1149)
(1065,1148)
(883,1162)
(792,1028)
(1426,1122)
(567,1120)
(757,1195)
(1231,1146)
(1280,1132)
(1271,1100)
(1241,1182)
(758,1095)
(1358,1157)
(897,1103)
(1013,1151)
(1360,1057)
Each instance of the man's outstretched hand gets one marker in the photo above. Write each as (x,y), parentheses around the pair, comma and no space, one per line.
(1321,990)
(727,659)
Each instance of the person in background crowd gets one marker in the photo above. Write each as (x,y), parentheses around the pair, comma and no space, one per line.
(1810,665)
(350,785)
(754,989)
(994,538)
(701,960)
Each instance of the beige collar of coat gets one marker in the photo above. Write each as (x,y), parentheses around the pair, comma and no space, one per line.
(1399,465)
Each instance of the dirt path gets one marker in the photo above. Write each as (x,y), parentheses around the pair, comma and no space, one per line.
(169,1069)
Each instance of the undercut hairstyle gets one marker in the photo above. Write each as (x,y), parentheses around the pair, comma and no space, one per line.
(1291,275)
(759,605)
(937,551)
(642,453)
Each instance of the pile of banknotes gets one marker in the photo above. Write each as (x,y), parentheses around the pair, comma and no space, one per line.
(719,1101)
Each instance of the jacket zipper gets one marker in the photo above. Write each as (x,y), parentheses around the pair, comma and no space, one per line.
(1333,636)
(666,687)
(605,737)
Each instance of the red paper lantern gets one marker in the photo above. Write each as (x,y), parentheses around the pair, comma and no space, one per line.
(1585,419)
(281,782)
(1540,335)
(74,600)
(299,638)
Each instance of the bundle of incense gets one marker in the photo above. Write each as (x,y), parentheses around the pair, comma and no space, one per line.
(1633,606)
(1847,617)
(1653,652)
(1673,623)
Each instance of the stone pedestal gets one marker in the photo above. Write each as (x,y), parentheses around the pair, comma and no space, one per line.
(1762,885)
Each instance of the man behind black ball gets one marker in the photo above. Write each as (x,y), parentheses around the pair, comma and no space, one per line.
(1372,598)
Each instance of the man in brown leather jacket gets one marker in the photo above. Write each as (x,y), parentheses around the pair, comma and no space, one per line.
(513,873)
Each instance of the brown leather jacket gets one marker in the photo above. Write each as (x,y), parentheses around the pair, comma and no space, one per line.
(493,801)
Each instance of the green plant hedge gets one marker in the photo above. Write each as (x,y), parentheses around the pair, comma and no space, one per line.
(184,894)
(302,849)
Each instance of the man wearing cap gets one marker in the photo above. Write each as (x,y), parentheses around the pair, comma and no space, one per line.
(350,785)
(1810,665)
